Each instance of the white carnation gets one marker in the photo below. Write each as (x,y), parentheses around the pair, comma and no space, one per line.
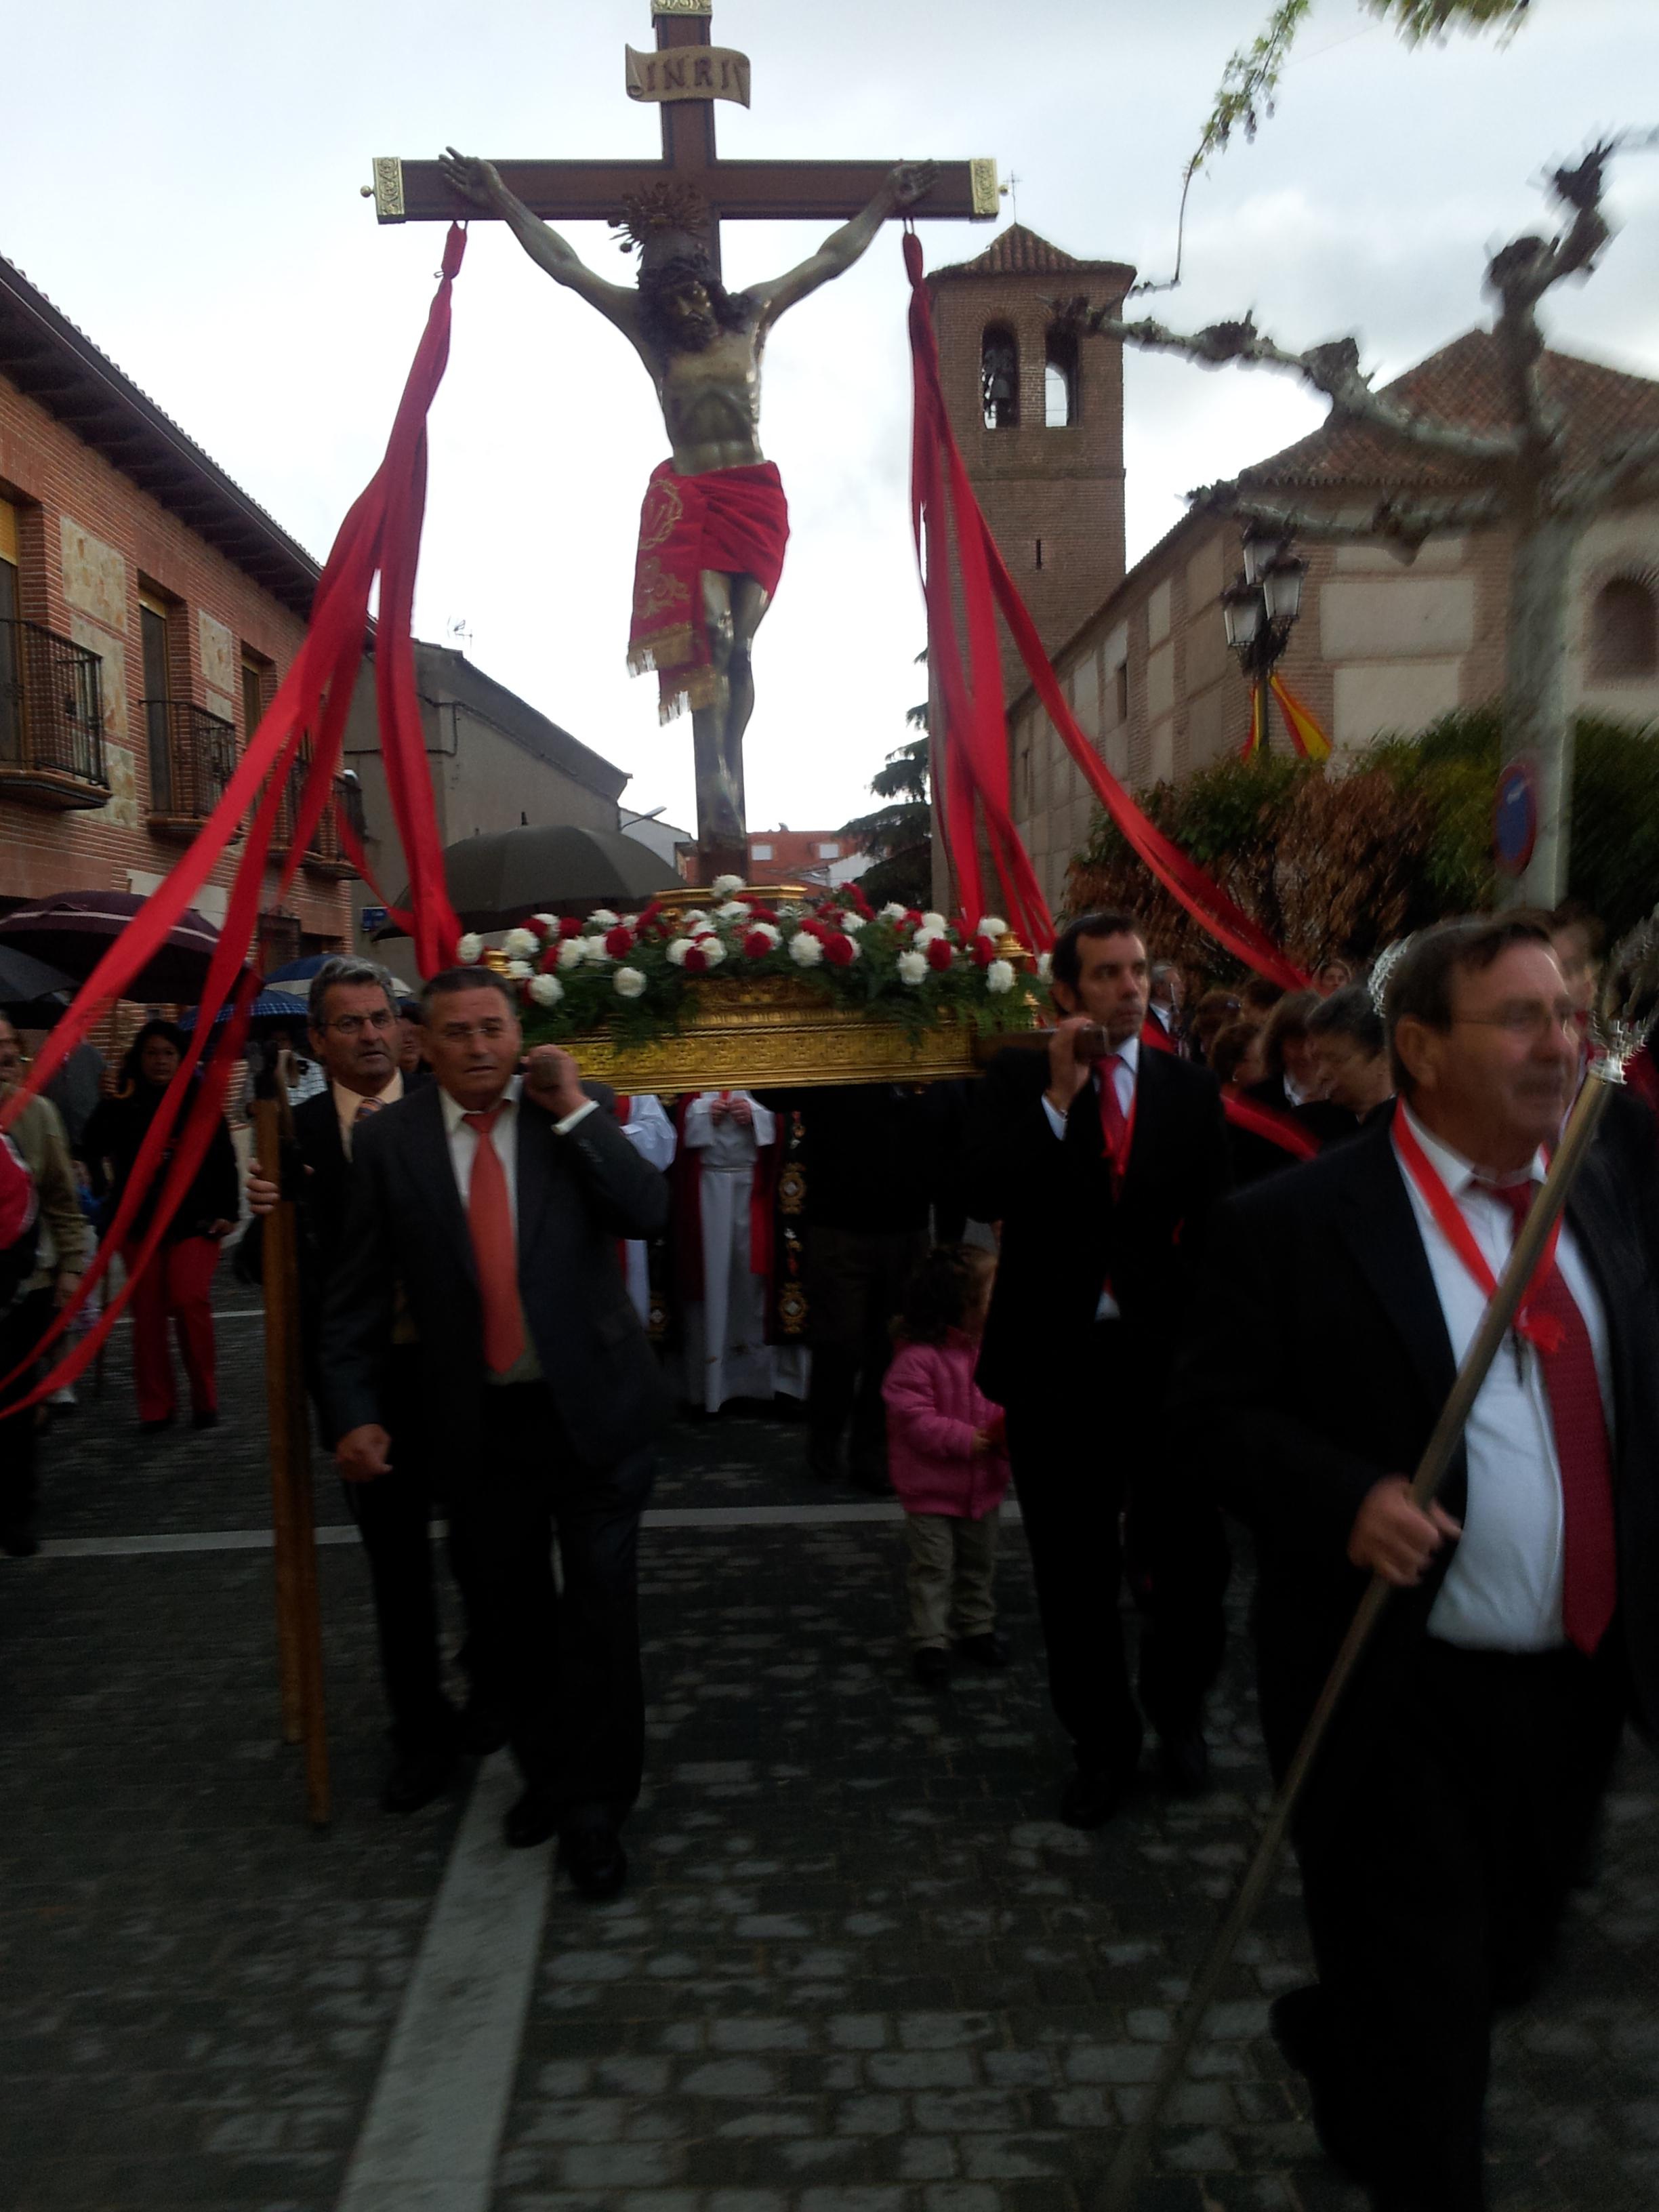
(602,918)
(712,950)
(992,925)
(546,990)
(517,969)
(630,982)
(774,937)
(630,921)
(924,937)
(689,920)
(545,921)
(893,911)
(852,923)
(725,885)
(913,966)
(678,949)
(733,910)
(594,950)
(571,954)
(999,977)
(936,923)
(521,943)
(1045,964)
(805,950)
(468,948)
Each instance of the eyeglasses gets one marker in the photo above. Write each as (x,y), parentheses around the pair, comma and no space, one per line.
(1531,1022)
(464,1032)
(351,1025)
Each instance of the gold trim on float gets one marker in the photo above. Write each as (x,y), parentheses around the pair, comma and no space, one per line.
(388,188)
(982,183)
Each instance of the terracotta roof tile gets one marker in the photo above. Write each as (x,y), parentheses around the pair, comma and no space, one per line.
(1017,252)
(1462,384)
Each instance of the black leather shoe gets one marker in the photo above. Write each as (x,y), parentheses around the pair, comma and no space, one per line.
(155,1428)
(529,1821)
(1183,1763)
(418,1777)
(20,1541)
(595,1861)
(479,1729)
(207,1418)
(931,1666)
(1297,2025)
(990,1649)
(1091,1797)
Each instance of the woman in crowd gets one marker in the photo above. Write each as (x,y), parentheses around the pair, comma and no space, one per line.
(178,1283)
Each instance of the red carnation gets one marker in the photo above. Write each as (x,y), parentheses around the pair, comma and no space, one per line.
(618,941)
(697,961)
(984,950)
(938,953)
(757,944)
(913,917)
(814,927)
(569,926)
(549,960)
(839,949)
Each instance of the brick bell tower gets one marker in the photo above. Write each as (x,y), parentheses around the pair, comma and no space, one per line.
(1039,416)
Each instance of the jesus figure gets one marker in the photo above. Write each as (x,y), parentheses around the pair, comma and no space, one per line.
(714,523)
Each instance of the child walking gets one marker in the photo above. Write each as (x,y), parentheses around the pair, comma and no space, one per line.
(945,1455)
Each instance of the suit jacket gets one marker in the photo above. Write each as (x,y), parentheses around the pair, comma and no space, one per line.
(1314,1364)
(1062,1231)
(577,1196)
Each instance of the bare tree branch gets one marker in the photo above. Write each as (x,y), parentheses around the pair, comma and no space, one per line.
(1406,524)
(1332,369)
(1522,272)
(1626,468)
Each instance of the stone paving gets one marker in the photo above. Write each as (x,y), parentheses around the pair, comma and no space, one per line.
(860,1968)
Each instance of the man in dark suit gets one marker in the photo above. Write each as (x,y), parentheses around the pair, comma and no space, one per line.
(1100,1169)
(354,1030)
(495,1200)
(1450,1808)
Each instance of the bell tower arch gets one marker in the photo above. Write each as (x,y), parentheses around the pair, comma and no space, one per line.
(1039,417)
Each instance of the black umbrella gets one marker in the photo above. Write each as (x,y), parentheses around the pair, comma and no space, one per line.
(75,930)
(24,980)
(507,875)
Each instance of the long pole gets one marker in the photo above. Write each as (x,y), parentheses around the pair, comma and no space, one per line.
(294,1531)
(1124,2175)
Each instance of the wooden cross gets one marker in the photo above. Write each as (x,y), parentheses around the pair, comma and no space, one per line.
(777,191)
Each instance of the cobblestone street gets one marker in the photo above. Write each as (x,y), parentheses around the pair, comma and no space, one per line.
(859,1967)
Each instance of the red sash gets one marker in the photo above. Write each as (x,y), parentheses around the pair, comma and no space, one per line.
(1541,1329)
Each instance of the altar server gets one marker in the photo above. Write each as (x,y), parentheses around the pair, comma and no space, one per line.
(727,1141)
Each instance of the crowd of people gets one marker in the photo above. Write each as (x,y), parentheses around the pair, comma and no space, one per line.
(1158,1270)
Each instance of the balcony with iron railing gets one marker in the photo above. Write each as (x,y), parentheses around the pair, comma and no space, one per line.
(193,756)
(326,854)
(51,720)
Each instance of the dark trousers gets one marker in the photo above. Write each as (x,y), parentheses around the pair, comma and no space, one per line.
(569,1655)
(22,1324)
(1087,1460)
(855,1285)
(1440,1835)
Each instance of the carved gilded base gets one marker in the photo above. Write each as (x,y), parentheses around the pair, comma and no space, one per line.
(773,1033)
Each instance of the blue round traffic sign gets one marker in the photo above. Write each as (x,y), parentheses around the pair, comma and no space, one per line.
(1515,816)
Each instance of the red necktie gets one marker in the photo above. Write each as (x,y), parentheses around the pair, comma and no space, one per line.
(489,1217)
(1590,1580)
(1114,1126)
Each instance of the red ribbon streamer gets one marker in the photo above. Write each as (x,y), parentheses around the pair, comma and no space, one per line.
(974,750)
(382,532)
(1542,1329)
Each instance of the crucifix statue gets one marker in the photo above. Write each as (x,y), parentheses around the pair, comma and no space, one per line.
(714,522)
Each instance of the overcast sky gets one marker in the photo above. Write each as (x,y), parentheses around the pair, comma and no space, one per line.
(183,182)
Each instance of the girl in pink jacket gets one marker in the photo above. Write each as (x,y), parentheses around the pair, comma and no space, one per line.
(945,1455)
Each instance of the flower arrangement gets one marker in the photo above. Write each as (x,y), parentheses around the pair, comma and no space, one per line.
(636,974)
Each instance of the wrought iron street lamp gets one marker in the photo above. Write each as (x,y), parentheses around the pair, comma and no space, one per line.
(1259,610)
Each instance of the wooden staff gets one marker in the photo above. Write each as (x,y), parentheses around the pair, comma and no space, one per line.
(294,1527)
(1122,2179)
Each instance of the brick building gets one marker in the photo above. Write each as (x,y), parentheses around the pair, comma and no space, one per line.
(149,609)
(1382,644)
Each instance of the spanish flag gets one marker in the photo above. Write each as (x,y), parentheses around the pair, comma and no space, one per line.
(1257,743)
(1306,735)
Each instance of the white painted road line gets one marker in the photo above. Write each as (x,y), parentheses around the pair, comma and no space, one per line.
(667,1518)
(433,2128)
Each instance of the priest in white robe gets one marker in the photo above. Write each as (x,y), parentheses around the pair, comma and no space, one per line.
(724,1135)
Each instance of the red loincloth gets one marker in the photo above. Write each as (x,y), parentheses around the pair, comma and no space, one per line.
(732,519)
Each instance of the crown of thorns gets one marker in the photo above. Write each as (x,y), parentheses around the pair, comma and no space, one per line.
(662,208)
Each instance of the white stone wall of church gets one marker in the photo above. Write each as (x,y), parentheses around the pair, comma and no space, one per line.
(1622,544)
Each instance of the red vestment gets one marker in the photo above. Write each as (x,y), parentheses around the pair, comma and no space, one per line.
(735,520)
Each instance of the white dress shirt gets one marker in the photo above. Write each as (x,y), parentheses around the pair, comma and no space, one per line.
(348,1104)
(1124,1067)
(1502,1589)
(504,1136)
